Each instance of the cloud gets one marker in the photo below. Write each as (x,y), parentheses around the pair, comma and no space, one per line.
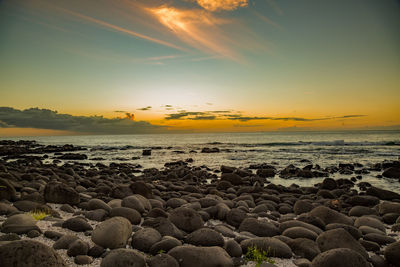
(48,119)
(234,116)
(198,28)
(119,111)
(118,28)
(145,109)
(218,5)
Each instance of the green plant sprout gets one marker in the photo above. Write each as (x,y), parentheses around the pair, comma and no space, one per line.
(161,251)
(38,215)
(258,255)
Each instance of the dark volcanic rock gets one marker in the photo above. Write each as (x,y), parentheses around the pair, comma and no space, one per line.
(73,156)
(304,247)
(300,232)
(162,260)
(7,190)
(29,253)
(123,257)
(60,193)
(112,233)
(190,256)
(205,237)
(328,215)
(339,238)
(65,241)
(141,188)
(392,254)
(392,172)
(233,178)
(258,227)
(145,238)
(342,257)
(19,224)
(78,247)
(132,215)
(271,245)
(235,217)
(164,226)
(382,193)
(186,219)
(166,244)
(77,224)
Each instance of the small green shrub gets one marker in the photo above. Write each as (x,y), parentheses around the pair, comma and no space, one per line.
(38,215)
(258,255)
(161,251)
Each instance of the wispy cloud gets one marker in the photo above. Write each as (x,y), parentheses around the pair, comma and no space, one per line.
(48,119)
(118,28)
(145,108)
(218,5)
(197,28)
(246,118)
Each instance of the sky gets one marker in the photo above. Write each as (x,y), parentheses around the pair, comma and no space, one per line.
(150,66)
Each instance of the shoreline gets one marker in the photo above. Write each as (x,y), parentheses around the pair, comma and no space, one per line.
(171,215)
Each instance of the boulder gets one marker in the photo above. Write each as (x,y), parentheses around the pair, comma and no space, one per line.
(304,247)
(145,238)
(258,227)
(65,241)
(273,246)
(77,224)
(112,233)
(132,215)
(388,207)
(382,193)
(162,260)
(95,204)
(141,188)
(186,219)
(60,193)
(233,178)
(205,237)
(7,190)
(328,215)
(19,224)
(124,257)
(166,244)
(164,226)
(300,232)
(392,254)
(343,257)
(339,238)
(29,253)
(392,172)
(302,206)
(191,256)
(235,217)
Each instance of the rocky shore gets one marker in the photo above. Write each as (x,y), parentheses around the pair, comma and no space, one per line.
(68,213)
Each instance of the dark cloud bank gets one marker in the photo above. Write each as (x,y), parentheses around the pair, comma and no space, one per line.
(229,115)
(48,119)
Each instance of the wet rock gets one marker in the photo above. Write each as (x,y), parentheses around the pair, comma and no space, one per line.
(29,253)
(141,188)
(146,152)
(60,193)
(339,238)
(329,184)
(112,233)
(19,224)
(73,156)
(392,172)
(123,257)
(77,224)
(271,245)
(190,256)
(363,200)
(210,150)
(232,178)
(205,237)
(145,238)
(342,257)
(7,190)
(382,193)
(186,219)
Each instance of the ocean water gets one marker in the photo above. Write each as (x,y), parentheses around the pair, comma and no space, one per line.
(242,149)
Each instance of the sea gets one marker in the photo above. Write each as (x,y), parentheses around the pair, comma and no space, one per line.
(244,149)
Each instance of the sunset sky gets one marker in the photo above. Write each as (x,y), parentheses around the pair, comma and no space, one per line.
(124,66)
